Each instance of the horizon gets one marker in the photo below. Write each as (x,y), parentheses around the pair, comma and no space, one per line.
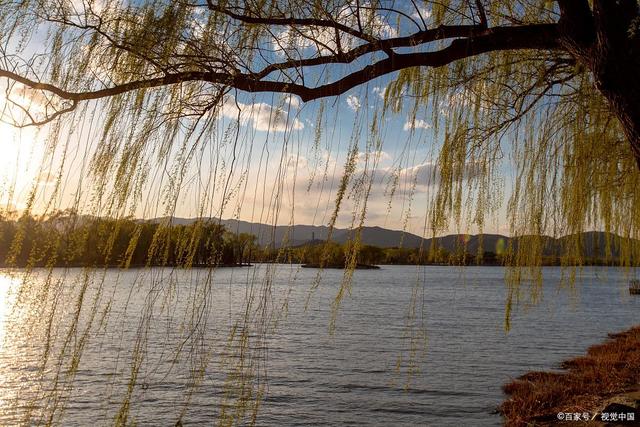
(283,172)
(344,228)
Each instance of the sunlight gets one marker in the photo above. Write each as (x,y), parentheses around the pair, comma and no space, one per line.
(20,158)
(8,286)
(7,282)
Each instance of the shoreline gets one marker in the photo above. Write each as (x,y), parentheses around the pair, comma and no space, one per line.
(342,267)
(312,265)
(606,380)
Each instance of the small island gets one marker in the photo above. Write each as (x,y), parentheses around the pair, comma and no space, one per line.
(341,266)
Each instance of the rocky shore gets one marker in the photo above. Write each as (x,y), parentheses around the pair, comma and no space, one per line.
(598,389)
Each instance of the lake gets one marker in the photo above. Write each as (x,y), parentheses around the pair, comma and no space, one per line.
(174,327)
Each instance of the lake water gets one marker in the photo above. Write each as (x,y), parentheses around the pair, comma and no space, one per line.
(312,377)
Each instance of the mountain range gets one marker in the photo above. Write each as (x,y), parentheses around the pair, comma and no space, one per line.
(593,242)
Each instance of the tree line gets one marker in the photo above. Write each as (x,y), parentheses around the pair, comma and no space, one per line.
(65,239)
(70,240)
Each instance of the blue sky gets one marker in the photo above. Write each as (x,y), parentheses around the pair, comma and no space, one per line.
(305,188)
(281,172)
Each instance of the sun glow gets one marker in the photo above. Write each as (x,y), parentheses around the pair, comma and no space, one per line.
(6,302)
(9,284)
(21,155)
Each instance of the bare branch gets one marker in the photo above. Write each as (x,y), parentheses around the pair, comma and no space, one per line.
(290,21)
(48,118)
(482,13)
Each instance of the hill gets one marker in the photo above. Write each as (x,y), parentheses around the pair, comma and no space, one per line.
(593,242)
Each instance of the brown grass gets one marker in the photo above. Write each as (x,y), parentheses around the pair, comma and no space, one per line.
(609,368)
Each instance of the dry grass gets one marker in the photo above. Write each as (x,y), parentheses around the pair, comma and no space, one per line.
(609,368)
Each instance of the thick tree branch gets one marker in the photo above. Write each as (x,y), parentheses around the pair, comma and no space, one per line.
(576,24)
(574,8)
(544,36)
(421,37)
(540,36)
(119,89)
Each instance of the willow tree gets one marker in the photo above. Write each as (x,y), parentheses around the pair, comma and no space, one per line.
(535,78)
(550,85)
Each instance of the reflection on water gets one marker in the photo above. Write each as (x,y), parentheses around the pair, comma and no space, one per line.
(6,283)
(76,339)
(5,304)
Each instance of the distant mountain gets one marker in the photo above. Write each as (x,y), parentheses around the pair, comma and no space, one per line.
(593,242)
(266,234)
(381,237)
(301,234)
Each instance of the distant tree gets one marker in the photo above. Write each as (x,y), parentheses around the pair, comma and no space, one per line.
(246,246)
(371,255)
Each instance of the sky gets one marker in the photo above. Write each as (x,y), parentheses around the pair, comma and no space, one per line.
(276,168)
(283,173)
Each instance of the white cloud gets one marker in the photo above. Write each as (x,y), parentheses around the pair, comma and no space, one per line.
(81,11)
(416,124)
(380,156)
(293,101)
(423,173)
(323,39)
(353,102)
(292,43)
(263,117)
(307,190)
(380,91)
(383,28)
(31,99)
(421,12)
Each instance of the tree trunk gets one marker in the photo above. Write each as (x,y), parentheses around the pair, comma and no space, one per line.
(614,60)
(624,100)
